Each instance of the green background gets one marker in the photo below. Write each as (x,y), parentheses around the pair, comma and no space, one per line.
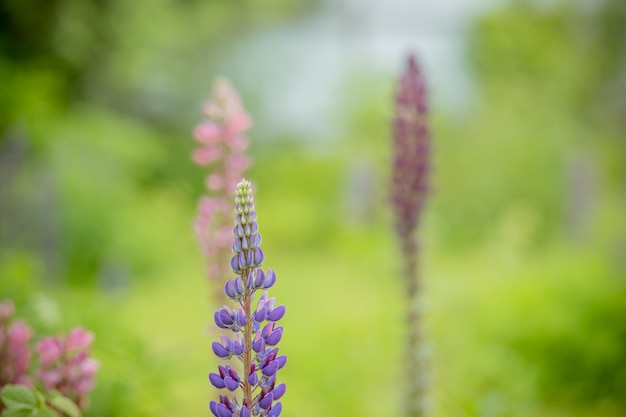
(523,239)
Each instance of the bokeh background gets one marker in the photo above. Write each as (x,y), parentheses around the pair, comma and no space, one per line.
(524,236)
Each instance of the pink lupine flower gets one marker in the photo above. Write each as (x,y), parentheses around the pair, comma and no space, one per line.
(65,365)
(14,349)
(78,339)
(49,350)
(221,143)
(205,156)
(18,338)
(207,133)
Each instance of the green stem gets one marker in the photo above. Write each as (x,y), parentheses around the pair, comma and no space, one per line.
(247,338)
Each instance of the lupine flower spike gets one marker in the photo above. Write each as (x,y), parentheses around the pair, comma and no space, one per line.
(222,145)
(65,365)
(251,389)
(14,350)
(409,190)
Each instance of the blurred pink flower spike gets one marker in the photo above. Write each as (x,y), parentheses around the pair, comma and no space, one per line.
(14,349)
(66,365)
(222,144)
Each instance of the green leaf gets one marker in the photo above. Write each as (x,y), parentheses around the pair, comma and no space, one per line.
(14,396)
(47,412)
(17,412)
(41,401)
(64,404)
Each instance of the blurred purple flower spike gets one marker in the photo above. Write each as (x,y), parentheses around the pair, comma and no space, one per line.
(409,189)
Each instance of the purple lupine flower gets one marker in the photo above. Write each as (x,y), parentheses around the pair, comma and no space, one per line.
(65,365)
(409,189)
(222,145)
(14,350)
(255,391)
(411,155)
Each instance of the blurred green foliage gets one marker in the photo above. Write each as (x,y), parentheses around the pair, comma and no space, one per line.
(525,236)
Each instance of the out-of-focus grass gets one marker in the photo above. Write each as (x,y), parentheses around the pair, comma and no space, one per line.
(486,311)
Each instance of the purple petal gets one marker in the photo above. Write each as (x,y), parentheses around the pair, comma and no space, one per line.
(232,373)
(270,279)
(239,230)
(220,350)
(234,263)
(244,243)
(279,391)
(216,380)
(275,411)
(222,411)
(266,402)
(250,283)
(236,247)
(267,330)
(237,348)
(276,314)
(241,318)
(259,278)
(229,287)
(271,368)
(270,303)
(258,345)
(238,285)
(219,323)
(282,360)
(212,406)
(259,316)
(271,355)
(225,317)
(253,378)
(245,412)
(226,401)
(231,384)
(275,337)
(226,342)
(242,260)
(258,256)
(254,227)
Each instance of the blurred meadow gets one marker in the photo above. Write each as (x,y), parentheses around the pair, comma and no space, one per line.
(524,235)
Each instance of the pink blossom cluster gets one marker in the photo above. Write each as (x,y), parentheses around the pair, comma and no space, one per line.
(221,149)
(65,365)
(64,362)
(14,348)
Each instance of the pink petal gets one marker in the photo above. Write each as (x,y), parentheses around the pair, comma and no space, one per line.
(214,182)
(205,156)
(78,339)
(207,133)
